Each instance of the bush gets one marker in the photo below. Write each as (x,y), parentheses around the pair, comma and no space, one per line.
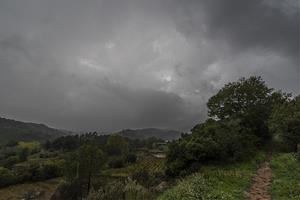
(23,154)
(112,191)
(116,163)
(213,140)
(131,158)
(286,176)
(23,173)
(117,146)
(146,178)
(285,123)
(117,190)
(142,177)
(52,169)
(70,190)
(6,177)
(298,152)
(196,187)
(134,191)
(10,161)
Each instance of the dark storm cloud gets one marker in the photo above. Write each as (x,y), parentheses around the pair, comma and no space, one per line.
(266,24)
(112,64)
(264,31)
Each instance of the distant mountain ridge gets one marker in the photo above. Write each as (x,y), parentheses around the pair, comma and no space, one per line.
(150,132)
(26,131)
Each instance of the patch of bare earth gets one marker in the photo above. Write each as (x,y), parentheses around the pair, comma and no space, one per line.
(262,182)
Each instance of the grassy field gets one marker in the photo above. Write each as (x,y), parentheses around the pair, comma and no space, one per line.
(229,182)
(286,177)
(17,192)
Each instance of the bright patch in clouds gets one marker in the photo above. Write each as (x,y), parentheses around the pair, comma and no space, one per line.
(110,45)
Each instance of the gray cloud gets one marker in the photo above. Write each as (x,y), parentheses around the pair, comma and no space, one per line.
(112,64)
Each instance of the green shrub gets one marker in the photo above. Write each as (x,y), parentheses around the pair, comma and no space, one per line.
(285,124)
(22,173)
(23,154)
(196,187)
(131,158)
(51,169)
(225,140)
(116,163)
(10,161)
(286,177)
(7,177)
(146,178)
(70,190)
(111,191)
(134,191)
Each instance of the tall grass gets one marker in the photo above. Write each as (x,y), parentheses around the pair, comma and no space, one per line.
(228,182)
(286,177)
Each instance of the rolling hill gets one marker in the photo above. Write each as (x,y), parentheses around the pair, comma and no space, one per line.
(24,131)
(150,132)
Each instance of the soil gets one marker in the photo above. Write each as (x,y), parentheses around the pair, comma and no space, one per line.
(262,181)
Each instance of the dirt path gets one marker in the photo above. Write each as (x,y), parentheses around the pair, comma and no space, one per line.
(262,181)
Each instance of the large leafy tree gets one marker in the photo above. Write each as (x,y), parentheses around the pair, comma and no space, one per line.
(285,122)
(83,165)
(238,122)
(250,100)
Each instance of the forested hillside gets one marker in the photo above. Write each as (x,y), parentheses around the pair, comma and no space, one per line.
(150,132)
(11,130)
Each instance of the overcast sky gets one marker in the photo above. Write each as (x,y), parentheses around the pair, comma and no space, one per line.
(113,64)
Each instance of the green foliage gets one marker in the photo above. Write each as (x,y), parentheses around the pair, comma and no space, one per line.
(117,162)
(247,99)
(66,143)
(210,141)
(32,146)
(215,182)
(111,191)
(117,190)
(150,142)
(7,177)
(147,178)
(23,154)
(52,168)
(197,187)
(131,158)
(285,123)
(83,165)
(117,145)
(70,190)
(38,170)
(238,125)
(10,161)
(286,177)
(134,191)
(238,98)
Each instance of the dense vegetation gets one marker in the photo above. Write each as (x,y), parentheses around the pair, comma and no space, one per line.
(241,115)
(286,177)
(247,120)
(213,182)
(87,162)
